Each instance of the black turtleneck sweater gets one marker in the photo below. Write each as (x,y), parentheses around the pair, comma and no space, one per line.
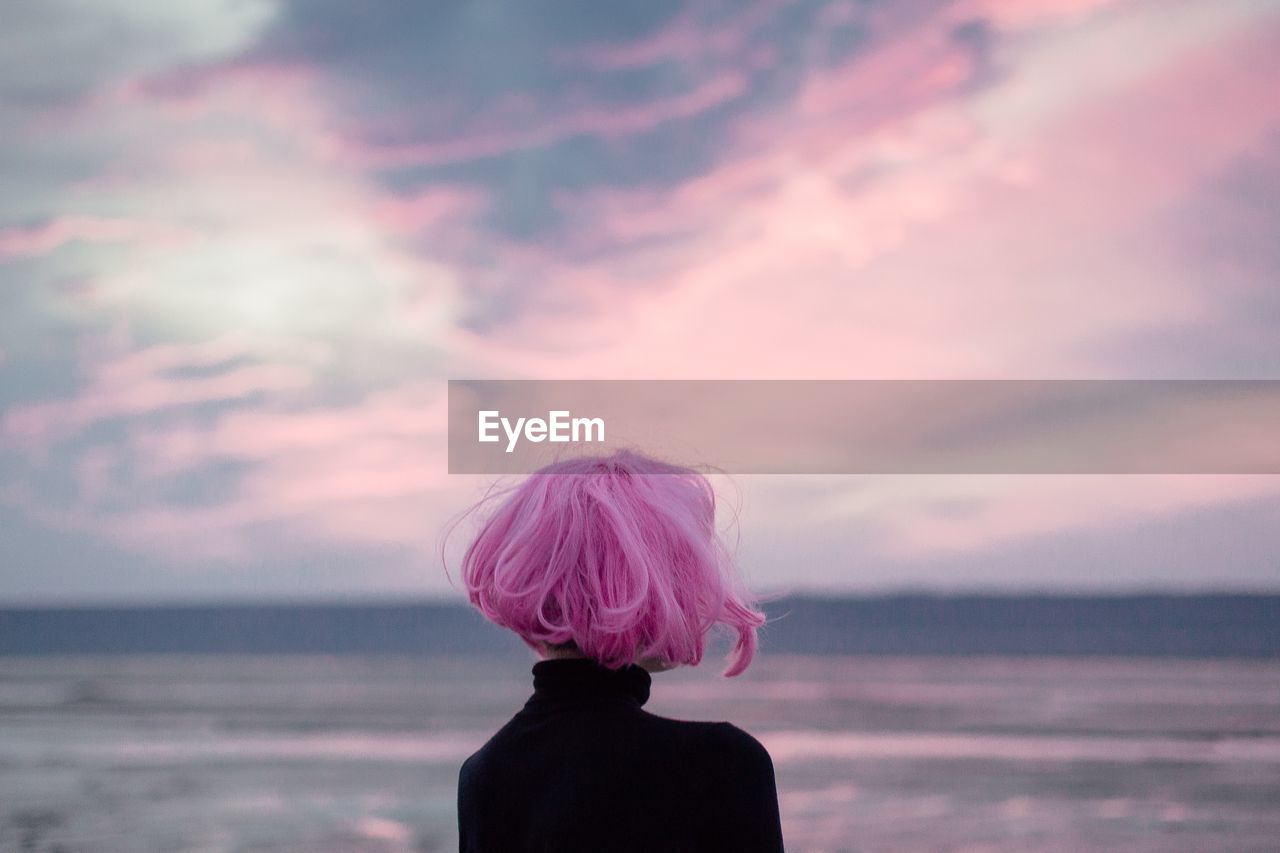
(582,768)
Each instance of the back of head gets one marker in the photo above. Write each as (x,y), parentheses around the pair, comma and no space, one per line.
(616,555)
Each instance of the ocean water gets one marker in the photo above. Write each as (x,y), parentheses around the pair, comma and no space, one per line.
(289,753)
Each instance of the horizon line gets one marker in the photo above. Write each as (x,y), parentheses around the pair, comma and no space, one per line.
(429,599)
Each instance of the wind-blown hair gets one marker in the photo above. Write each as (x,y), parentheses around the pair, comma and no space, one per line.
(617,555)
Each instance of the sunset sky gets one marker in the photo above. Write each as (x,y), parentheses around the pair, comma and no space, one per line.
(243,245)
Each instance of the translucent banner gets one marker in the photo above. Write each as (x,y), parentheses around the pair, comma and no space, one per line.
(874,426)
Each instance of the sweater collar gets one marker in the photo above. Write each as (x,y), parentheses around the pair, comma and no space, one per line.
(574,678)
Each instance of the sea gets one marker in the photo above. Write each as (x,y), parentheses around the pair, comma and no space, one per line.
(309,753)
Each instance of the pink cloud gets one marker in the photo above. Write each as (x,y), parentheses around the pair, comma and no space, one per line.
(368,474)
(948,259)
(430,209)
(685,39)
(1022,14)
(904,73)
(141,383)
(874,235)
(606,121)
(276,92)
(896,219)
(387,420)
(62,230)
(680,40)
(1010,509)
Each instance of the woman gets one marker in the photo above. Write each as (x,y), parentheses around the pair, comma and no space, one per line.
(610,569)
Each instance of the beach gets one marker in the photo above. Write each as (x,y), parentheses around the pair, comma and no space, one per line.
(878,753)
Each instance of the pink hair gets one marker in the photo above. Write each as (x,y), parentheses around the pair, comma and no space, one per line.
(616,554)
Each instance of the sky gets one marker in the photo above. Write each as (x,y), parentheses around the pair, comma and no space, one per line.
(244,244)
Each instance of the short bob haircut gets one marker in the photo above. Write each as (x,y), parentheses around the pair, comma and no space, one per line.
(615,555)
